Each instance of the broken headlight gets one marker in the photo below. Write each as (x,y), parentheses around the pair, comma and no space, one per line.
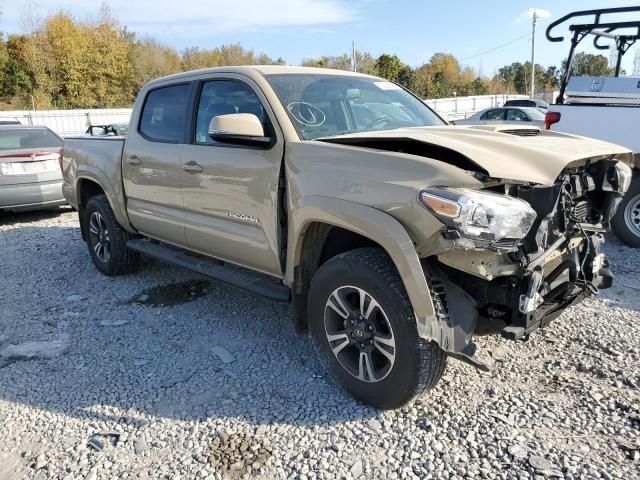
(480,215)
(617,178)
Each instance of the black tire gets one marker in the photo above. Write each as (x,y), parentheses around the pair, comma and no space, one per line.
(418,364)
(628,215)
(120,259)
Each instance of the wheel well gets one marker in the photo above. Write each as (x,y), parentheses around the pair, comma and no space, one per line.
(321,242)
(86,189)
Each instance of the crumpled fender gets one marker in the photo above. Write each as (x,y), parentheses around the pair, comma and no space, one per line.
(451,334)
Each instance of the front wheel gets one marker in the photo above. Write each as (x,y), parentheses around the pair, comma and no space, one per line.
(365,330)
(626,221)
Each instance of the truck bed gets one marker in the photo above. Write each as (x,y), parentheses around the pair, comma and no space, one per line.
(94,157)
(617,124)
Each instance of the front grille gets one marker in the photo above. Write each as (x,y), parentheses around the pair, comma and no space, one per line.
(523,132)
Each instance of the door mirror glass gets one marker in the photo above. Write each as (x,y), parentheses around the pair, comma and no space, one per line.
(238,128)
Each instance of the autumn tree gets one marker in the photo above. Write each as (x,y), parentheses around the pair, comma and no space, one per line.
(74,64)
(234,54)
(151,59)
(365,63)
(588,64)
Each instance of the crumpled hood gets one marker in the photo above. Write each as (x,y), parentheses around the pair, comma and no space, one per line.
(537,158)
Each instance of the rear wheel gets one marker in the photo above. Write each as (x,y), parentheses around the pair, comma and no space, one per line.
(626,222)
(365,330)
(106,239)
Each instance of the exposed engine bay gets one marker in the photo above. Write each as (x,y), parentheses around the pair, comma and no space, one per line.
(520,284)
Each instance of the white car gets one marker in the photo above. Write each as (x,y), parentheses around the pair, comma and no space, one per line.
(505,116)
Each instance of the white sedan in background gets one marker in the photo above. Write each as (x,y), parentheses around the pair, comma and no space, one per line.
(505,116)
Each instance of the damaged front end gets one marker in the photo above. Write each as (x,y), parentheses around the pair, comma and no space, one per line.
(519,254)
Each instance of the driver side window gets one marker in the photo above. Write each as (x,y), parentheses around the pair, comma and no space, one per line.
(222,97)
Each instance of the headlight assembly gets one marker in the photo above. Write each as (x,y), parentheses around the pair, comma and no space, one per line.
(618,178)
(475,214)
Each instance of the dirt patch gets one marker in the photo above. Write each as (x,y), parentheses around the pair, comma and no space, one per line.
(172,294)
(238,454)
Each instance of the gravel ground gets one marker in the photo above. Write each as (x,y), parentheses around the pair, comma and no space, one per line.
(159,374)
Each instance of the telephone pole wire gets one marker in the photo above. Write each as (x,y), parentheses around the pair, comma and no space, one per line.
(533,53)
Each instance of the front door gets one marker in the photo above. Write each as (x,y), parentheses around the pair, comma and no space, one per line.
(230,192)
(152,164)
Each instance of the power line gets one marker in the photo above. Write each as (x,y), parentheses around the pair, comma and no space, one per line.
(496,48)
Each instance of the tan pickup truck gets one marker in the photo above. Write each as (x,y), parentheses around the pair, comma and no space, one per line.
(394,235)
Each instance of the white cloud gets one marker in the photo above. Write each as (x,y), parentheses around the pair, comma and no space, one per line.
(528,14)
(191,17)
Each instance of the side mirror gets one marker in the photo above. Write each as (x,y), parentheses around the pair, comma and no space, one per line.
(239,129)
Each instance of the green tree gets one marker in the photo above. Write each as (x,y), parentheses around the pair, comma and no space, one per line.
(550,78)
(365,63)
(588,64)
(15,82)
(389,66)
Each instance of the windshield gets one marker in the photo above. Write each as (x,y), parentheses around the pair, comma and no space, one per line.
(325,105)
(16,138)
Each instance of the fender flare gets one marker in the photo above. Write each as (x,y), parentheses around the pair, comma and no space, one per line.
(385,230)
(95,175)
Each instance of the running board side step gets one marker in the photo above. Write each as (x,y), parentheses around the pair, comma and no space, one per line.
(212,269)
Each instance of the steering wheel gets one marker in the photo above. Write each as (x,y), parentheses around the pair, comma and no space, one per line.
(378,121)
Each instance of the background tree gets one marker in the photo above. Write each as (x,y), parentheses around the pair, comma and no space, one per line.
(151,59)
(588,64)
(365,63)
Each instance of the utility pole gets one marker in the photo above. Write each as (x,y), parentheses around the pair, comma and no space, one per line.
(353,56)
(533,53)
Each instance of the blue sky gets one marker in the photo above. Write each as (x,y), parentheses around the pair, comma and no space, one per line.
(295,29)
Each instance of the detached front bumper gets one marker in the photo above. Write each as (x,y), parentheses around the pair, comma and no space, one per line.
(31,196)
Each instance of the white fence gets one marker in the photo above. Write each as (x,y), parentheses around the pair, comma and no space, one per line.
(68,122)
(73,122)
(461,107)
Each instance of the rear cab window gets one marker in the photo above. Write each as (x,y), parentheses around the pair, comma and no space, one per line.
(164,114)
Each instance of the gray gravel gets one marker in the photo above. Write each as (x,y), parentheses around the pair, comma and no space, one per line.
(159,374)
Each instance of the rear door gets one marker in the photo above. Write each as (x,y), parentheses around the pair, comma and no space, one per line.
(231,192)
(152,163)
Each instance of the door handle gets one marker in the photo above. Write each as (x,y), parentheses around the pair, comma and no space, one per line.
(134,160)
(192,167)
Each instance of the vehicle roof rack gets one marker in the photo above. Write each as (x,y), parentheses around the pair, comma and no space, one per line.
(624,34)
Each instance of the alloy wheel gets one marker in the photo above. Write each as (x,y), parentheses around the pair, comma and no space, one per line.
(359,334)
(99,235)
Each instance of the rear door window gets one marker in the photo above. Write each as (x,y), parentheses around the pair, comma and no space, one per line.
(164,114)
